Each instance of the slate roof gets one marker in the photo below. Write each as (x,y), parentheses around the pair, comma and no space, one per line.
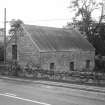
(57,39)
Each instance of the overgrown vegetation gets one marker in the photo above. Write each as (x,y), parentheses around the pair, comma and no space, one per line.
(80,77)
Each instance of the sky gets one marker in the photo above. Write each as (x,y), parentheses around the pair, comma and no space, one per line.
(54,13)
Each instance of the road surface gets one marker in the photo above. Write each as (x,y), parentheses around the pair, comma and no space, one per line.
(26,93)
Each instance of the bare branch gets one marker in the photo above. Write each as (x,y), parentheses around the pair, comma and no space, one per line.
(94,30)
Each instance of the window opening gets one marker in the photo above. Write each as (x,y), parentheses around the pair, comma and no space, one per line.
(87,63)
(52,66)
(14,52)
(72,66)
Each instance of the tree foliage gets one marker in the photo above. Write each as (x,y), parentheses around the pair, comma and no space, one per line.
(15,25)
(94,30)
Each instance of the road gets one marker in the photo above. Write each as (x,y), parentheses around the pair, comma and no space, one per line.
(26,93)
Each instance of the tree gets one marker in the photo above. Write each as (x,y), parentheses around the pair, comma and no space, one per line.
(84,10)
(99,40)
(85,22)
(15,26)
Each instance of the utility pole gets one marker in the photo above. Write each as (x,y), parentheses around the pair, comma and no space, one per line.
(103,10)
(4,35)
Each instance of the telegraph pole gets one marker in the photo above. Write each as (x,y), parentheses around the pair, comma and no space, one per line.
(4,35)
(103,10)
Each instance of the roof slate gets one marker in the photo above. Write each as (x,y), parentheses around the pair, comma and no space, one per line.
(57,39)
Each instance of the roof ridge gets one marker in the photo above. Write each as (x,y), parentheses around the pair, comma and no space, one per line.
(48,27)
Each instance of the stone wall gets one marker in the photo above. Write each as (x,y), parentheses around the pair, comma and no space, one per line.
(27,51)
(62,59)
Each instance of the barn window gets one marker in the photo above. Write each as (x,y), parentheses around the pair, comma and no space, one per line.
(14,52)
(71,66)
(52,66)
(87,63)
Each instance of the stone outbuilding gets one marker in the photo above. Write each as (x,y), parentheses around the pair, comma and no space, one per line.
(51,48)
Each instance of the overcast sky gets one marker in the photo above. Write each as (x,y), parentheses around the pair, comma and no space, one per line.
(53,13)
